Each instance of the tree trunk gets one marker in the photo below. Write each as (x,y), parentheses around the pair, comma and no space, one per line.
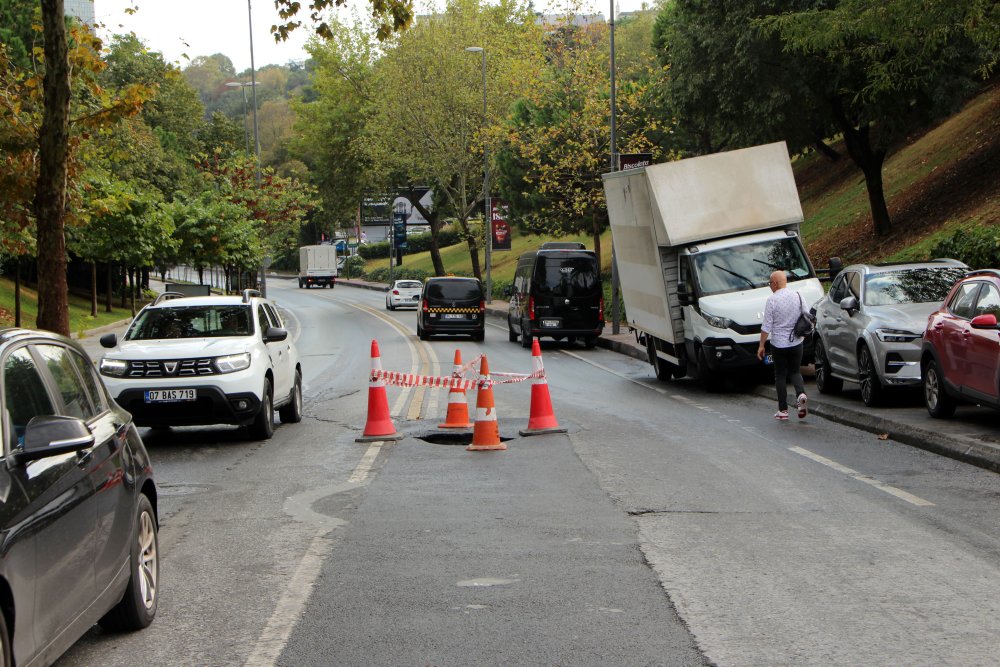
(870,160)
(596,231)
(50,190)
(133,275)
(93,289)
(108,304)
(123,284)
(17,291)
(826,150)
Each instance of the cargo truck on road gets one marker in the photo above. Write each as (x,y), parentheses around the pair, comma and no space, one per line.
(318,265)
(696,241)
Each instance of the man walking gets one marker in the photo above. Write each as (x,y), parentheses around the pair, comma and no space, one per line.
(780,315)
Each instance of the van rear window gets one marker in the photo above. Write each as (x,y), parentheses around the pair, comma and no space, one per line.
(567,276)
(454,290)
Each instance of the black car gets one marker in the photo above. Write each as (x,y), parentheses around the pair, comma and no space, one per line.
(78,509)
(557,293)
(452,306)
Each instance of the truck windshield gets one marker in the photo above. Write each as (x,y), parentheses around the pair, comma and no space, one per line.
(749,266)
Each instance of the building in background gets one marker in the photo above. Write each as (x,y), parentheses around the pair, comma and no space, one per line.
(82,10)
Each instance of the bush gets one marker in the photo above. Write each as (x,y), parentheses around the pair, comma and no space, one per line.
(979,247)
(381,275)
(354,266)
(414,244)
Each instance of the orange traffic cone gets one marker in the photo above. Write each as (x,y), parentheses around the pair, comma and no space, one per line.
(486,432)
(379,426)
(458,406)
(541,419)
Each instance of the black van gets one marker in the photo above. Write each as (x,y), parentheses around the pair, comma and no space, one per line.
(557,293)
(452,306)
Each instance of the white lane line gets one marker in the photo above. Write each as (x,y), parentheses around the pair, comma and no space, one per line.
(613,372)
(867,479)
(290,607)
(365,465)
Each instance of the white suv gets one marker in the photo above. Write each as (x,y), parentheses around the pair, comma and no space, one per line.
(188,361)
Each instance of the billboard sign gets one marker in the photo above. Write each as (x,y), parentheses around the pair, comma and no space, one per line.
(499,225)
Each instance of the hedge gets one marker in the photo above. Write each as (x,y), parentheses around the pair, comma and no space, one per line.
(979,247)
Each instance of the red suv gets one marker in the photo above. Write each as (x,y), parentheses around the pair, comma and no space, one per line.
(961,349)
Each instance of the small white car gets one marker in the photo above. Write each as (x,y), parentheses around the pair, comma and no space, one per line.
(191,361)
(403,294)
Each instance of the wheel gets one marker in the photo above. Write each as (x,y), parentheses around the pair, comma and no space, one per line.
(301,285)
(939,403)
(664,370)
(511,336)
(421,334)
(6,657)
(388,306)
(262,427)
(590,342)
(525,337)
(138,606)
(292,413)
(825,382)
(872,392)
(479,336)
(709,380)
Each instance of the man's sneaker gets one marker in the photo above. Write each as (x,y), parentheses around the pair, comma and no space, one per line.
(801,403)
(781,415)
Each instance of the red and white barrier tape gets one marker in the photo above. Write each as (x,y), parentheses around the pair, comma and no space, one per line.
(398,379)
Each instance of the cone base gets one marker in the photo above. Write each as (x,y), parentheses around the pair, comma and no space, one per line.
(391,437)
(485,448)
(466,425)
(541,431)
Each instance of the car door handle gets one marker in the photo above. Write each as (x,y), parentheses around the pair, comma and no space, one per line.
(966,333)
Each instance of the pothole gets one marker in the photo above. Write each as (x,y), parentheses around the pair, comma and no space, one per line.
(462,438)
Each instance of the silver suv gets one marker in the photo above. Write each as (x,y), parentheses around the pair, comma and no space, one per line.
(869,327)
(206,360)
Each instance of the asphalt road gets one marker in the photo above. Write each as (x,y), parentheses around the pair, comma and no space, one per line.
(667,527)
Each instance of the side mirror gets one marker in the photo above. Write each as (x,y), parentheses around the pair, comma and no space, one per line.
(836,266)
(850,304)
(275,335)
(51,435)
(683,295)
(109,340)
(987,321)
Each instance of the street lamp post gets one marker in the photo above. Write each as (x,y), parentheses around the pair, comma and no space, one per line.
(246,129)
(488,216)
(256,135)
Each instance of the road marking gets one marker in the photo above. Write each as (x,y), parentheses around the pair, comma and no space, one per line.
(867,479)
(614,372)
(289,609)
(365,465)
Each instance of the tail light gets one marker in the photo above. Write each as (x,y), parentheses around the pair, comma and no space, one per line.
(482,306)
(531,307)
(600,311)
(425,307)
(396,292)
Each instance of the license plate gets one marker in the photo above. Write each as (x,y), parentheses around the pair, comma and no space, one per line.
(550,324)
(453,316)
(768,359)
(170,395)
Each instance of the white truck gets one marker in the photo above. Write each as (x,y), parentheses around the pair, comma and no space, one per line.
(696,241)
(318,265)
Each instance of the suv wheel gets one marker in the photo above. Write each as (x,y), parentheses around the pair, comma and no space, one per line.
(871,387)
(262,427)
(939,404)
(525,337)
(292,413)
(825,382)
(511,336)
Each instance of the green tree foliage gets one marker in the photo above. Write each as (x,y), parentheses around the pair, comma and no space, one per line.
(389,16)
(16,32)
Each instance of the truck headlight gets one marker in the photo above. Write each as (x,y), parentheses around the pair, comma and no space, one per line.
(113,367)
(232,363)
(896,335)
(716,321)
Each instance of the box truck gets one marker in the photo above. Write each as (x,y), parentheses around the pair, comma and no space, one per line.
(696,241)
(317,265)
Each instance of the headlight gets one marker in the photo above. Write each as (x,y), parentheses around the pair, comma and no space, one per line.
(232,363)
(716,321)
(113,367)
(896,335)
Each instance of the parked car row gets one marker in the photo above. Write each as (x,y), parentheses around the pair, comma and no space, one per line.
(930,324)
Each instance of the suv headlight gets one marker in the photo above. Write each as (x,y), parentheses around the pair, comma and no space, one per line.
(896,335)
(232,363)
(716,321)
(113,367)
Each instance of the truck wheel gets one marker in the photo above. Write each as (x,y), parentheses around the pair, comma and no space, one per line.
(709,379)
(300,285)
(664,369)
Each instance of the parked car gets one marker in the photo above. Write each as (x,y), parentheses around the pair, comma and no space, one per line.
(869,325)
(206,360)
(78,510)
(452,306)
(556,293)
(961,347)
(403,294)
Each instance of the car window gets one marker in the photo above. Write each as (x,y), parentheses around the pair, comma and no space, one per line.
(75,398)
(262,320)
(90,379)
(910,286)
(854,284)
(272,313)
(567,276)
(989,301)
(191,322)
(839,289)
(454,290)
(409,284)
(25,395)
(965,297)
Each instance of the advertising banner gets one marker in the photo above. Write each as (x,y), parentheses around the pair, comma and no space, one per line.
(634,160)
(501,229)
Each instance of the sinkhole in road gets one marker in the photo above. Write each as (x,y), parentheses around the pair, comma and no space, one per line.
(459,438)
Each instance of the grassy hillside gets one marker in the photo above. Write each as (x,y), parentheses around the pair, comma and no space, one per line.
(79,310)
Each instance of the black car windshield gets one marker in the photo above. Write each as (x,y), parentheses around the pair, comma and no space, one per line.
(749,266)
(920,285)
(567,275)
(191,322)
(454,290)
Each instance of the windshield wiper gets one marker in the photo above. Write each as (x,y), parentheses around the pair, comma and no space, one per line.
(738,275)
(773,266)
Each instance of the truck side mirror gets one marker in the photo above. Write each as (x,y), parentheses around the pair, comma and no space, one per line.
(683,295)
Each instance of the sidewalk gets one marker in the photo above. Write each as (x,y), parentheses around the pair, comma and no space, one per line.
(972,436)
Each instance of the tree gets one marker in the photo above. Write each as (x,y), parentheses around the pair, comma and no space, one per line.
(390,16)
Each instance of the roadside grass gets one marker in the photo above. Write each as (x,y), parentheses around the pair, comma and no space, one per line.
(80,320)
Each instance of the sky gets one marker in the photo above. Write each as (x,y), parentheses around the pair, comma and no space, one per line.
(183,29)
